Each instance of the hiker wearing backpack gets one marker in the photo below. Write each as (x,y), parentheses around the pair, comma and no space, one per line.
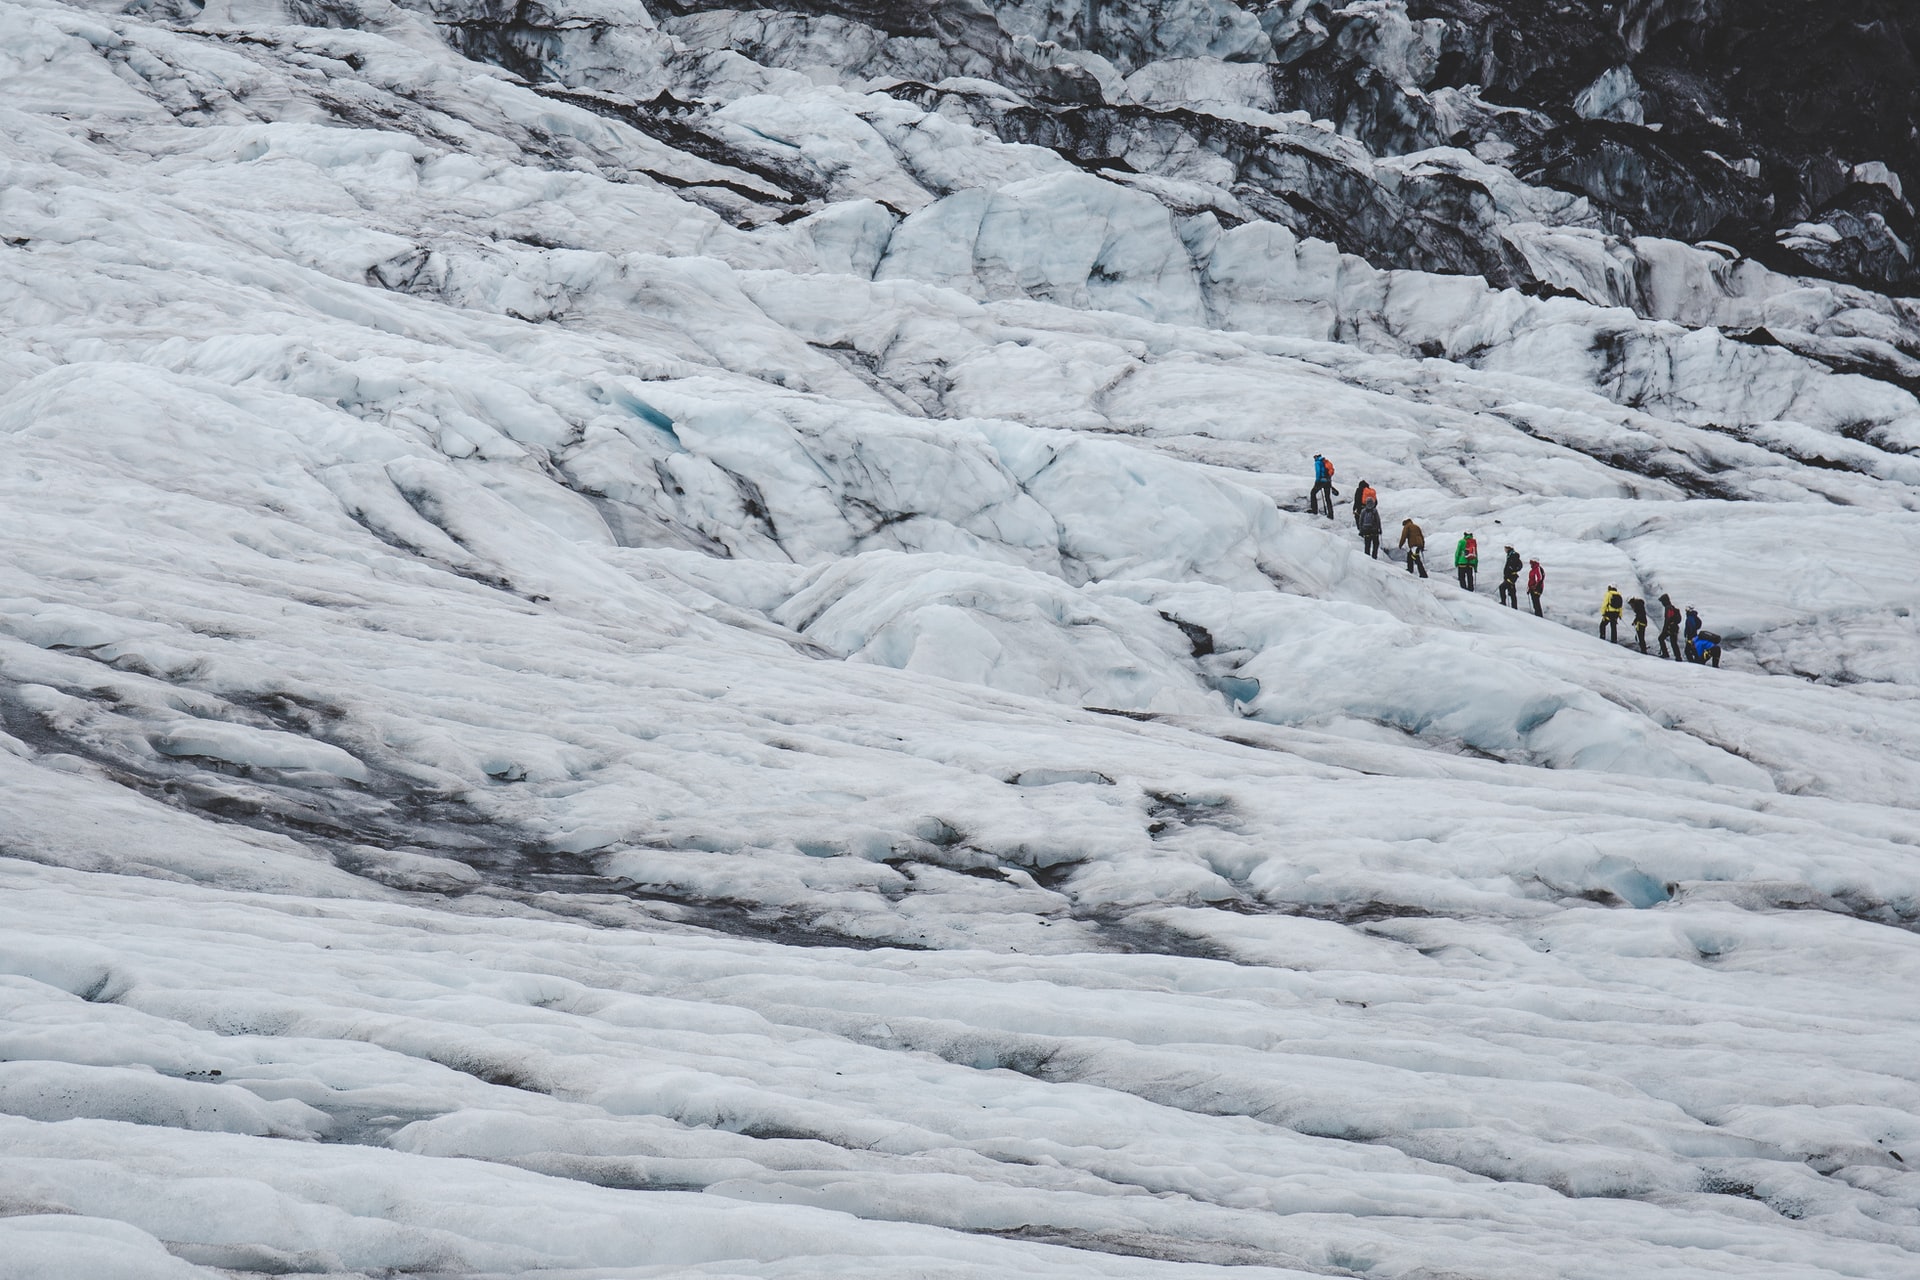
(1416,544)
(1370,527)
(1510,579)
(1692,630)
(1610,606)
(1536,583)
(1669,628)
(1639,608)
(1466,558)
(1361,497)
(1706,648)
(1322,487)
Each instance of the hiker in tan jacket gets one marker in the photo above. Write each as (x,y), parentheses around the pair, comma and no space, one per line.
(1415,543)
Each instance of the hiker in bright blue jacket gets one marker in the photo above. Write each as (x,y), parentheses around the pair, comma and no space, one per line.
(1706,648)
(1322,487)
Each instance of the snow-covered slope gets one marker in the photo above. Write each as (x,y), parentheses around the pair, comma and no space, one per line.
(688,643)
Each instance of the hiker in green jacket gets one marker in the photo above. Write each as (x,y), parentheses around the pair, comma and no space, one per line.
(1466,558)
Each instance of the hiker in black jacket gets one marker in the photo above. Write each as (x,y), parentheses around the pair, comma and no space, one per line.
(1670,629)
(1510,580)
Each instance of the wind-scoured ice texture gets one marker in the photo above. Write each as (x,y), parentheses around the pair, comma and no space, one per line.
(691,648)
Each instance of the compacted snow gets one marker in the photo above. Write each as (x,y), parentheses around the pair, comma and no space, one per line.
(666,655)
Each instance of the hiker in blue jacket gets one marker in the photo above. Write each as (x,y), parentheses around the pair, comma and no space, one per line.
(1322,487)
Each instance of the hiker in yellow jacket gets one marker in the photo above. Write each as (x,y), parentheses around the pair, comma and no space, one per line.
(1610,606)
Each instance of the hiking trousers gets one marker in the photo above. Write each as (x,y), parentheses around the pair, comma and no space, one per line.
(1321,489)
(1535,597)
(1509,593)
(1371,542)
(1640,635)
(1610,622)
(1670,644)
(1466,575)
(1416,560)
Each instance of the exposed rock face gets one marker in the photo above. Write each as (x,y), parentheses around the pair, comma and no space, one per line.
(1764,111)
(1784,131)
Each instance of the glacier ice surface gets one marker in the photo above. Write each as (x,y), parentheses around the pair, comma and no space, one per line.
(668,644)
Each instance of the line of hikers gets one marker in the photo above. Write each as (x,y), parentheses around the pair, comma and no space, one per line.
(1699,644)
(1680,638)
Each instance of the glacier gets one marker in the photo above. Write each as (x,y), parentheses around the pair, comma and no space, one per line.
(686,641)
